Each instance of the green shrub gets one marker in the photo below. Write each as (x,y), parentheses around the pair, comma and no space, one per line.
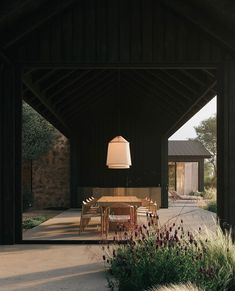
(211,206)
(171,255)
(33,221)
(195,193)
(37,134)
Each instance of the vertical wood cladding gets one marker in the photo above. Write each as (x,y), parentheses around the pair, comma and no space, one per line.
(118,31)
(10,154)
(144,135)
(226,144)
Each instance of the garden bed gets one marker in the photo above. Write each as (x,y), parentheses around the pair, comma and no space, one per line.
(34,218)
(149,256)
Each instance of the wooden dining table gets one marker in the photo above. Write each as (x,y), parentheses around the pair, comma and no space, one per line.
(106,201)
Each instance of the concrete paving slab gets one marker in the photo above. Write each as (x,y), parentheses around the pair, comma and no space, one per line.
(50,267)
(76,267)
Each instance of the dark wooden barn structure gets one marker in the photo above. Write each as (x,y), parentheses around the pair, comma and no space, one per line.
(186,162)
(67,59)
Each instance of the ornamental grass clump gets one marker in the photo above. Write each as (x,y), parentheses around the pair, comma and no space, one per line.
(178,287)
(150,256)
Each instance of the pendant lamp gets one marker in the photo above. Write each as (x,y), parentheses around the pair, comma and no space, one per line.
(118,155)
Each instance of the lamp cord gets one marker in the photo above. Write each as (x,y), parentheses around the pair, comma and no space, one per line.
(119,103)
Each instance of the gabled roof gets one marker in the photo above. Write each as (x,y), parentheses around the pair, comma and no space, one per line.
(187,148)
(216,18)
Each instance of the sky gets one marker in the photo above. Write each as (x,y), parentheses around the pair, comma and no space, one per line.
(187,130)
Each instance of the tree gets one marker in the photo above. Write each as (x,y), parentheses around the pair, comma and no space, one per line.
(206,134)
(37,134)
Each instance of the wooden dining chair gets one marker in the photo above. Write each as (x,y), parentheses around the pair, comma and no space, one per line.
(119,214)
(148,206)
(90,210)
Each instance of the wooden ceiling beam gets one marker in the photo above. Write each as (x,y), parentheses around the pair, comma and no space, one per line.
(188,112)
(94,100)
(87,95)
(179,91)
(196,79)
(28,22)
(162,91)
(56,81)
(209,72)
(203,21)
(150,98)
(81,84)
(13,12)
(155,96)
(82,88)
(203,76)
(38,94)
(42,110)
(64,87)
(29,71)
(178,79)
(44,76)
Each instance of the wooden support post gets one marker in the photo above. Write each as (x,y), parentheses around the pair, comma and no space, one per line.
(164,172)
(226,144)
(201,175)
(10,155)
(74,199)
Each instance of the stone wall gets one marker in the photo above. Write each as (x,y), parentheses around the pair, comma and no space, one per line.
(50,177)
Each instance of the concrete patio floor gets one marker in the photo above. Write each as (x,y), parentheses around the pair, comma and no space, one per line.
(65,226)
(52,268)
(76,267)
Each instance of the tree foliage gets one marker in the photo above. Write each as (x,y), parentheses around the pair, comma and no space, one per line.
(206,134)
(37,134)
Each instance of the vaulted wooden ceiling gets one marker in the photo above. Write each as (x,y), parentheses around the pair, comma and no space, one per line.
(70,96)
(20,17)
(96,34)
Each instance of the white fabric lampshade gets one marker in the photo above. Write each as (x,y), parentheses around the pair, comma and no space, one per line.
(118,156)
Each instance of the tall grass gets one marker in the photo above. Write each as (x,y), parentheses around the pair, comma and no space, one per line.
(178,287)
(169,255)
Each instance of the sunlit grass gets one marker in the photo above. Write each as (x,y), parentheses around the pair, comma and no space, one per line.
(171,255)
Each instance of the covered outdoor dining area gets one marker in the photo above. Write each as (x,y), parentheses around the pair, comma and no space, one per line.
(100,218)
(101,69)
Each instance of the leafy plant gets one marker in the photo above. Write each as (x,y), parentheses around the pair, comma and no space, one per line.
(195,193)
(37,134)
(33,221)
(171,255)
(206,134)
(211,206)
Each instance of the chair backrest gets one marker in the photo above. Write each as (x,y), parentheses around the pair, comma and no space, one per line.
(145,202)
(89,209)
(121,209)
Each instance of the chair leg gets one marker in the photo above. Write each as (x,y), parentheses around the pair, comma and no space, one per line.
(107,222)
(80,228)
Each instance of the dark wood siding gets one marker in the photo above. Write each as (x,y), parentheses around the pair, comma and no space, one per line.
(144,137)
(226,144)
(10,155)
(125,31)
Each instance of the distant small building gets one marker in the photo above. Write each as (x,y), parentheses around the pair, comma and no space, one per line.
(186,165)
